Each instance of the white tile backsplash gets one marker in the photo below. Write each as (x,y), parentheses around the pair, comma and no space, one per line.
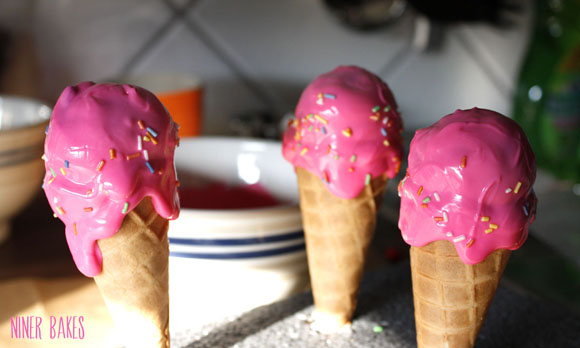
(258,54)
(433,84)
(501,50)
(224,96)
(91,40)
(285,44)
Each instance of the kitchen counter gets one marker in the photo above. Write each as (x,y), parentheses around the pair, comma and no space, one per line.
(384,318)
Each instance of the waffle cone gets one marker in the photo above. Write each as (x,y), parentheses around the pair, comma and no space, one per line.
(451,298)
(134,279)
(338,232)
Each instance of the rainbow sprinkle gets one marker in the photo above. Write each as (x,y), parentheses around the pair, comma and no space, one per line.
(141,124)
(494,226)
(463,161)
(385,120)
(386,143)
(66,164)
(329,96)
(323,130)
(384,132)
(326,176)
(146,138)
(387,108)
(436,195)
(153,140)
(368,179)
(150,167)
(374,117)
(139,143)
(146,155)
(469,243)
(133,155)
(303,151)
(376,108)
(427,200)
(438,218)
(518,186)
(445,216)
(420,190)
(489,230)
(150,130)
(319,101)
(125,208)
(485,218)
(508,190)
(62,171)
(100,165)
(424,205)
(75,228)
(320,118)
(60,210)
(112,153)
(458,238)
(353,158)
(347,132)
(52,172)
(88,209)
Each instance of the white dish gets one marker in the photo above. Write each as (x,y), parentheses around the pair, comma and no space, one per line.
(258,252)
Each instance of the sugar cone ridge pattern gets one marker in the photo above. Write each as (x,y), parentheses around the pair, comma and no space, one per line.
(451,298)
(338,232)
(134,280)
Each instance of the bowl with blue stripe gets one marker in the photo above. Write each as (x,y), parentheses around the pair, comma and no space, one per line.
(239,228)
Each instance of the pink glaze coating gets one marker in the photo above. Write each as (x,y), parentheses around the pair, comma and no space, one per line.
(347,130)
(96,171)
(469,181)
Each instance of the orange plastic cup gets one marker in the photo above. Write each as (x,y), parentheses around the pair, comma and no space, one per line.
(182,96)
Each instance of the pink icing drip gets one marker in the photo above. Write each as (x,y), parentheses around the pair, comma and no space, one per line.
(467,167)
(88,121)
(346,101)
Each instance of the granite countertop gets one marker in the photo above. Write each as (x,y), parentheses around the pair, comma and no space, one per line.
(385,318)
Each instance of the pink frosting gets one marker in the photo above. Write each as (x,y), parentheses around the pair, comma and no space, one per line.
(96,171)
(469,181)
(347,130)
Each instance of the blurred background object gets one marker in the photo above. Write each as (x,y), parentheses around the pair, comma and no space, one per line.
(547,102)
(367,14)
(181,95)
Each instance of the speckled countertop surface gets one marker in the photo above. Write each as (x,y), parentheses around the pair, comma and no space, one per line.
(514,320)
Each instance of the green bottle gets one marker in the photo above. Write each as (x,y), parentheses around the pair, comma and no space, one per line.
(547,100)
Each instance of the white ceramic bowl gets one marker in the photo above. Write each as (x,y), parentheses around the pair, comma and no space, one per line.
(224,262)
(22,125)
